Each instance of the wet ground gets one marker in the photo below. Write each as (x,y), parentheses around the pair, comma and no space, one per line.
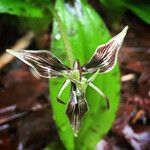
(25,112)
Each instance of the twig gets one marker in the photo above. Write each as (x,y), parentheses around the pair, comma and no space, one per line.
(22,43)
(128,77)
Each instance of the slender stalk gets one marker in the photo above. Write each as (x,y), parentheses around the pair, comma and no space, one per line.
(67,45)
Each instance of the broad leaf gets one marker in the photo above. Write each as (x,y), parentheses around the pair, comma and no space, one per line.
(85,30)
(26,8)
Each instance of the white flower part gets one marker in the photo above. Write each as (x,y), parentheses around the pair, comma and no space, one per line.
(75,97)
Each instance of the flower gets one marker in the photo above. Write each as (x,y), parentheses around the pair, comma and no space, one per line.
(47,65)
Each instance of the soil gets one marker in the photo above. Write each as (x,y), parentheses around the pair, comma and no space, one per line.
(25,112)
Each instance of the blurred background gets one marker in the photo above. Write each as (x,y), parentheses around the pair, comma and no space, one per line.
(26,120)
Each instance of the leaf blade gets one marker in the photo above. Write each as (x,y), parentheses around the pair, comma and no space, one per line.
(87,26)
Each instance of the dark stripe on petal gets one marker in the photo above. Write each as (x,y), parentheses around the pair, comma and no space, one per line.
(43,62)
(76,108)
(105,56)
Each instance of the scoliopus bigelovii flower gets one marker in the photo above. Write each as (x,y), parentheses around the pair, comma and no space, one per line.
(47,65)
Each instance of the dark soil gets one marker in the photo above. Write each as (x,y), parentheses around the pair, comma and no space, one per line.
(25,112)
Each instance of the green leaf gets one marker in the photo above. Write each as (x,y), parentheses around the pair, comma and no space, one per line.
(26,8)
(54,146)
(85,30)
(140,8)
(113,10)
(112,4)
(96,123)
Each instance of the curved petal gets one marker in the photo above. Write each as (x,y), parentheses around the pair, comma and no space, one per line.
(105,56)
(43,62)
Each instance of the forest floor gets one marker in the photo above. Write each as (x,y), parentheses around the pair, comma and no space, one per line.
(25,112)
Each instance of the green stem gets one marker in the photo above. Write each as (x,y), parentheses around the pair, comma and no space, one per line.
(67,45)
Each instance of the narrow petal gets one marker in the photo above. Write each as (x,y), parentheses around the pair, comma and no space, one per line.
(77,106)
(105,56)
(43,62)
